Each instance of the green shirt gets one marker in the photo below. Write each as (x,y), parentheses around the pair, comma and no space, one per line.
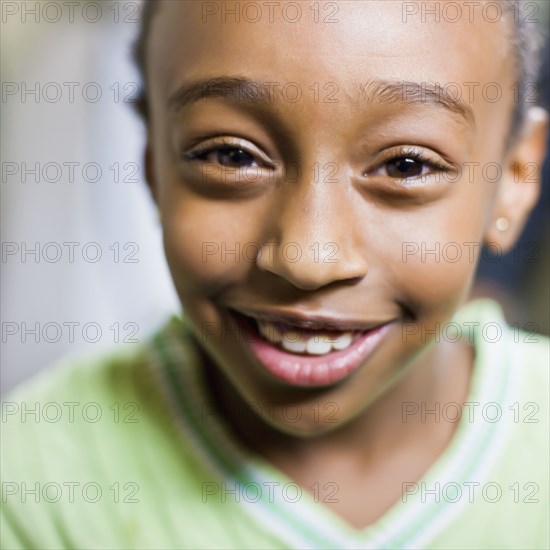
(128,452)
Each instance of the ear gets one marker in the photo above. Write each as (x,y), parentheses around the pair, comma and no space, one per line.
(519,187)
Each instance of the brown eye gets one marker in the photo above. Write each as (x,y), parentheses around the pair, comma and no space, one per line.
(228,156)
(404,167)
(231,156)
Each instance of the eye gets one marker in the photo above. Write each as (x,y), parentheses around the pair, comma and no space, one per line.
(231,153)
(231,157)
(405,167)
(409,164)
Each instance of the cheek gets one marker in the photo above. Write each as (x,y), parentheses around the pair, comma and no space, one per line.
(432,268)
(199,232)
(439,275)
(208,244)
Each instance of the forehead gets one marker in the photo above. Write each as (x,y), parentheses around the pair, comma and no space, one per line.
(347,42)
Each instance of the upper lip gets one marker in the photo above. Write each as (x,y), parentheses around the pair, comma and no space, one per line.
(303,320)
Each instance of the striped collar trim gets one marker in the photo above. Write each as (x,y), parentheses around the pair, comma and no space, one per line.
(305,523)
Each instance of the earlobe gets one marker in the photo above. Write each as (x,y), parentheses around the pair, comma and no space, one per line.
(519,187)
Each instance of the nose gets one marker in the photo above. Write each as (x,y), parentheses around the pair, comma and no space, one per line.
(315,239)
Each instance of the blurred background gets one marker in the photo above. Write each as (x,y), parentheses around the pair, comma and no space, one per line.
(82,262)
(72,173)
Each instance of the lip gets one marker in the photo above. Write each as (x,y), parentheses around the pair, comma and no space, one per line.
(310,322)
(310,370)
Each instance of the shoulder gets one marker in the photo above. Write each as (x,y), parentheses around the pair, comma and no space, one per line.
(516,359)
(100,416)
(504,451)
(92,445)
(68,403)
(501,344)
(75,389)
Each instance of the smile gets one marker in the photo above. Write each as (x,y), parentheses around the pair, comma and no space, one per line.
(306,341)
(309,352)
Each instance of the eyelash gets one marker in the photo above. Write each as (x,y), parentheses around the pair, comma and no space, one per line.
(412,153)
(418,155)
(201,153)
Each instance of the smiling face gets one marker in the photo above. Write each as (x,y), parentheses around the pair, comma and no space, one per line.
(305,171)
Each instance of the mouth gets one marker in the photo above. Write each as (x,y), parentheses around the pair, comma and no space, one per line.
(309,352)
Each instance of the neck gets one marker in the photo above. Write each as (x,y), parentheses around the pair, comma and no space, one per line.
(399,418)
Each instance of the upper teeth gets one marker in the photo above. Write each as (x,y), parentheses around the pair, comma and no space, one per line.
(319,343)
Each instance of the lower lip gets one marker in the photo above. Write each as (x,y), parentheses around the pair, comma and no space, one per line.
(311,370)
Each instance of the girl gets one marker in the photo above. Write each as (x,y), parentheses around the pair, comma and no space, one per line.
(327,174)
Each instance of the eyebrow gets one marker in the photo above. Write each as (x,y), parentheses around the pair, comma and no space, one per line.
(239,89)
(411,92)
(234,88)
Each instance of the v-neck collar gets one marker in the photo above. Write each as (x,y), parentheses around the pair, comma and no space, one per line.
(310,524)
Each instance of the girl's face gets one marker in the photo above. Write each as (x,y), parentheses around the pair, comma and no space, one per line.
(350,188)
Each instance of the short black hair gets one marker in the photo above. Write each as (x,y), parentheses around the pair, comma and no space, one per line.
(527,44)
(139,54)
